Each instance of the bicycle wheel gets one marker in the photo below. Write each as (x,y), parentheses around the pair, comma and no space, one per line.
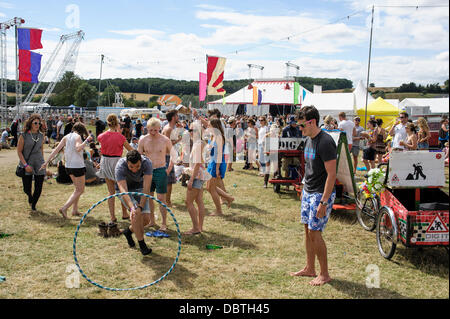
(366,211)
(386,234)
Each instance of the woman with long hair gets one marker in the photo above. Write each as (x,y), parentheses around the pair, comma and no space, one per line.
(369,151)
(75,167)
(217,166)
(380,145)
(411,141)
(423,136)
(30,149)
(112,143)
(194,191)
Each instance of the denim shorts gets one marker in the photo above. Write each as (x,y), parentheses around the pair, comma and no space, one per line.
(197,183)
(135,199)
(310,203)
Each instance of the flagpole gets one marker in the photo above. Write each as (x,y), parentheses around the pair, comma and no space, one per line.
(368,71)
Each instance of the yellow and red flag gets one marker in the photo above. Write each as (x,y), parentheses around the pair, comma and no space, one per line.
(215,71)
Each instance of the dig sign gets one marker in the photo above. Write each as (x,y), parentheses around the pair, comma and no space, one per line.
(289,143)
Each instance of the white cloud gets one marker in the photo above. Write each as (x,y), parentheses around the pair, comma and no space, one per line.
(443,56)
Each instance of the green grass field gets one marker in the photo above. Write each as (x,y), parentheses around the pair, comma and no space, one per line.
(261,235)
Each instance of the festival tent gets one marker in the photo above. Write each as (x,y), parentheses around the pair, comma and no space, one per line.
(277,97)
(332,103)
(430,106)
(360,93)
(381,109)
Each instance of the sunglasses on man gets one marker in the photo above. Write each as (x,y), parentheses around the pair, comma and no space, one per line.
(302,125)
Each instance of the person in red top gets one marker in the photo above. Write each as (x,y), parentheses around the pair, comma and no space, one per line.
(112,143)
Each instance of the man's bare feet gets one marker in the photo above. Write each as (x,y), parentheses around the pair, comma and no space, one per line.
(320,280)
(216,214)
(192,232)
(63,213)
(77,214)
(304,273)
(163,228)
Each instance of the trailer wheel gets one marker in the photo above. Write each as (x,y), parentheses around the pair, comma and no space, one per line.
(386,233)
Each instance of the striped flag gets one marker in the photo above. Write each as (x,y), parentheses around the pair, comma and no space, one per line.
(257,96)
(215,70)
(29,39)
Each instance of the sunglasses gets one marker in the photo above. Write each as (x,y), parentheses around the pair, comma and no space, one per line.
(303,124)
(37,123)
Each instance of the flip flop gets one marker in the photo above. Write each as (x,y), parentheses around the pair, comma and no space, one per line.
(158,233)
(126,218)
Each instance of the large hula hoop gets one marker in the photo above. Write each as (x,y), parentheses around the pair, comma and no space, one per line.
(134,288)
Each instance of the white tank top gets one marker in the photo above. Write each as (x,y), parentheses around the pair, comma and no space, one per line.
(73,158)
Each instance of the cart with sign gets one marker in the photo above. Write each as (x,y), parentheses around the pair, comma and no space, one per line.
(412,209)
(283,149)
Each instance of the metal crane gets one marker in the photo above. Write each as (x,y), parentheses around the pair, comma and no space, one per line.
(69,58)
(4,26)
(291,65)
(250,66)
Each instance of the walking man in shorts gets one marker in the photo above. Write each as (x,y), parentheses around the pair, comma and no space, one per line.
(171,132)
(318,193)
(134,174)
(156,147)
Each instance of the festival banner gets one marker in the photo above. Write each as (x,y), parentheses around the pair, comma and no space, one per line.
(29,39)
(215,75)
(202,85)
(257,96)
(29,66)
(296,93)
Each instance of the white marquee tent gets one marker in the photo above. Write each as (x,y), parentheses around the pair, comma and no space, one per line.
(276,94)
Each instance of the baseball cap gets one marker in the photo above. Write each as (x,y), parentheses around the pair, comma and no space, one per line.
(292,120)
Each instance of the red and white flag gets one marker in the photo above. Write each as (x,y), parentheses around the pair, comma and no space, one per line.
(215,70)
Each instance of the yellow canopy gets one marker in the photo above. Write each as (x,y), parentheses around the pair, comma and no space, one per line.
(381,109)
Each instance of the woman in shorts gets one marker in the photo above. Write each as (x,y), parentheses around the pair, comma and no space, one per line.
(112,143)
(194,191)
(75,167)
(369,152)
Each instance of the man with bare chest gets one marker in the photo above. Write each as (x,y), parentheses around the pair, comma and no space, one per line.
(171,132)
(156,147)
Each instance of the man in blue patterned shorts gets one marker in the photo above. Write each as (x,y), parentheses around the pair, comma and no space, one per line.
(318,193)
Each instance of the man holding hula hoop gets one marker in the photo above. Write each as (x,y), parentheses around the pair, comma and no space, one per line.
(134,174)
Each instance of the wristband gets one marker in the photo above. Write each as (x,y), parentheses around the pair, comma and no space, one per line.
(26,165)
(324,203)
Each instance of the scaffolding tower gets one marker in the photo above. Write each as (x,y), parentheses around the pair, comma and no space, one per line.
(69,60)
(292,65)
(4,26)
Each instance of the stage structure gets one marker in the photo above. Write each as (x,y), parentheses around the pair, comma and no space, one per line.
(69,60)
(4,26)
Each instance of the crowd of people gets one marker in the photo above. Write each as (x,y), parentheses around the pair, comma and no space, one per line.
(200,152)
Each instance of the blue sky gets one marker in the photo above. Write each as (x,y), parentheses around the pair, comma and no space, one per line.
(171,38)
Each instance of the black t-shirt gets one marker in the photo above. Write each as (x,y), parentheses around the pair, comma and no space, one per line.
(127,122)
(68,128)
(291,131)
(99,126)
(318,150)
